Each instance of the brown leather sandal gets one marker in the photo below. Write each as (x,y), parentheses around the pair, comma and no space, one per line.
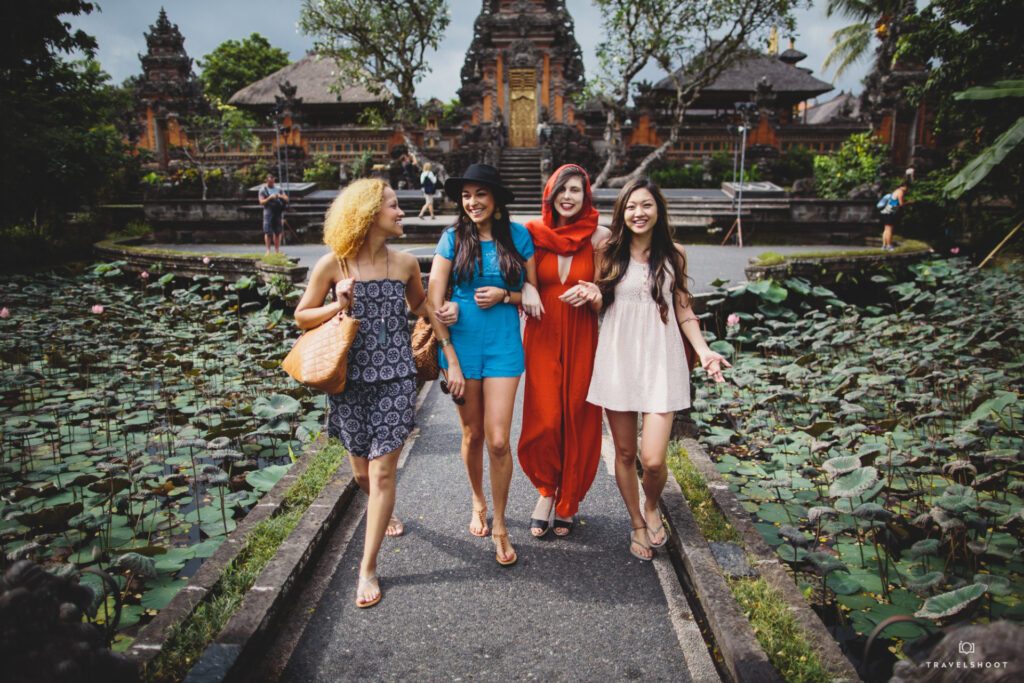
(480,515)
(504,548)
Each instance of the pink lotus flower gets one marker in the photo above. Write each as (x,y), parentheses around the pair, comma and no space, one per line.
(97,309)
(733,320)
(5,313)
(144,275)
(206,260)
(954,251)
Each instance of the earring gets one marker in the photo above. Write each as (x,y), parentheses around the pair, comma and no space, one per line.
(497,215)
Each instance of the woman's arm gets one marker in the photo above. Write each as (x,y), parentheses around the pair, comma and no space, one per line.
(415,297)
(311,310)
(689,324)
(440,271)
(530,296)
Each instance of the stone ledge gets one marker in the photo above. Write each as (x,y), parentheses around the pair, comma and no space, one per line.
(770,567)
(190,264)
(825,268)
(697,569)
(251,623)
(150,641)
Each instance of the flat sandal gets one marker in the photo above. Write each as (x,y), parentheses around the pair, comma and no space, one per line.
(501,542)
(633,541)
(480,515)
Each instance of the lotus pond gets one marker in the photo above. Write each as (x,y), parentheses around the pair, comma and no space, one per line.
(879,448)
(142,417)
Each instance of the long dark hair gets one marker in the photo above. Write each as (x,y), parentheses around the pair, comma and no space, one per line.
(664,260)
(467,246)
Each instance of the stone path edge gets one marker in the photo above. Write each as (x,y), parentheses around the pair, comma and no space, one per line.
(246,630)
(150,641)
(696,568)
(768,565)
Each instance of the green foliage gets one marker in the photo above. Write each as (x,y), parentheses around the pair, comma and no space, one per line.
(227,127)
(861,159)
(322,171)
(711,522)
(716,171)
(778,631)
(793,164)
(252,174)
(889,435)
(361,167)
(378,44)
(235,64)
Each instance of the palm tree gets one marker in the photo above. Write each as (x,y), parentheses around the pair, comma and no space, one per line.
(871,18)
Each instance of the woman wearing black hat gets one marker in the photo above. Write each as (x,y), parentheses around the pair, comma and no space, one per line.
(487,258)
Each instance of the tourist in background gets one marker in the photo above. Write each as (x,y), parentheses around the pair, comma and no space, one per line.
(892,212)
(428,182)
(487,258)
(560,444)
(374,414)
(273,200)
(640,366)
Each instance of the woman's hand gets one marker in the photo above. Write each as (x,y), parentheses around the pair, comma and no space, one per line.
(485,297)
(581,294)
(448,314)
(343,292)
(531,301)
(456,381)
(713,362)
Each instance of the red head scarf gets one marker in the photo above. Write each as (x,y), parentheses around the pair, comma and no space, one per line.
(565,239)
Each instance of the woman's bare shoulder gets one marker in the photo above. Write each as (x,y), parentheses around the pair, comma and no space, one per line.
(601,235)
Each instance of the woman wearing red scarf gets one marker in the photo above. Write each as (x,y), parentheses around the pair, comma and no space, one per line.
(560,444)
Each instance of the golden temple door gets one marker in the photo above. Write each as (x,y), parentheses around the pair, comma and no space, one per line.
(523,115)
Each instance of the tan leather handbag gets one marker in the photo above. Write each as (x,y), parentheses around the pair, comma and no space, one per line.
(319,358)
(424,350)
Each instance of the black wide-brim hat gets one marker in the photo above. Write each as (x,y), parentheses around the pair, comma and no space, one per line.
(483,174)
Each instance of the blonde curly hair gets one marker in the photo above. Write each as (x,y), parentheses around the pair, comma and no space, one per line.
(351,214)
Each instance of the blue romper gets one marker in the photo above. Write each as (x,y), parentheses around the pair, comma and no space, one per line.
(487,341)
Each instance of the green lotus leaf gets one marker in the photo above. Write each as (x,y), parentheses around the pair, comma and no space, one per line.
(929,546)
(873,512)
(265,479)
(821,512)
(824,562)
(949,604)
(926,581)
(855,483)
(841,465)
(843,585)
(275,406)
(158,595)
(140,565)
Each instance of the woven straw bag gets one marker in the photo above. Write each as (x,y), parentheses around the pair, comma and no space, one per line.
(424,350)
(319,358)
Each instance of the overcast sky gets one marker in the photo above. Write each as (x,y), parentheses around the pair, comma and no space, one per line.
(120,25)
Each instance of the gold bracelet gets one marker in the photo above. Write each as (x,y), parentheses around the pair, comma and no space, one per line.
(444,342)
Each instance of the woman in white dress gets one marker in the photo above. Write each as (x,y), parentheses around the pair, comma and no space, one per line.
(640,367)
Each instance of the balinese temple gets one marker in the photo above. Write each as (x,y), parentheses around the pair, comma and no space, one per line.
(780,89)
(166,91)
(523,67)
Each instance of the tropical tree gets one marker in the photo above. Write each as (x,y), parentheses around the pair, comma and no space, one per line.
(227,128)
(693,40)
(65,148)
(871,18)
(235,64)
(378,44)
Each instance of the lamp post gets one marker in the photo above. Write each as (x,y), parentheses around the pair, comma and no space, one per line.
(747,112)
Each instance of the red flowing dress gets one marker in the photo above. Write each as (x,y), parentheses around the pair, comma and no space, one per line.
(560,444)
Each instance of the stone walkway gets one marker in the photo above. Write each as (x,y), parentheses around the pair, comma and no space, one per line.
(580,608)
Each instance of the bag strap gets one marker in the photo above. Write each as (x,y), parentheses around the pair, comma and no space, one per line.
(343,264)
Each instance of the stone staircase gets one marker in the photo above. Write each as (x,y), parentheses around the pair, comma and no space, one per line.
(520,171)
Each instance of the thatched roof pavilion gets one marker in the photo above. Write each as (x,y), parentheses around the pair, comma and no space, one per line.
(317,94)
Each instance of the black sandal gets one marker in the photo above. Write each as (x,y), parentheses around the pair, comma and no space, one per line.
(566,524)
(543,524)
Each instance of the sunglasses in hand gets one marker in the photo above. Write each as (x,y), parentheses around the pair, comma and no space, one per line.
(447,391)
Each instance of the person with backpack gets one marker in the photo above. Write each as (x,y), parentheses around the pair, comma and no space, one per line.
(428,182)
(891,206)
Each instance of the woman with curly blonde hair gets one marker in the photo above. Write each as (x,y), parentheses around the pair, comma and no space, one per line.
(374,415)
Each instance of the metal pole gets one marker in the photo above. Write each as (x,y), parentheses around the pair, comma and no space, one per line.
(739,192)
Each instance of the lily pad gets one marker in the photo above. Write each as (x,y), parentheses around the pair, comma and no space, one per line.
(952,603)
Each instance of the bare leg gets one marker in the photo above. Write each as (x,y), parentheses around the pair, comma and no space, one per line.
(653,451)
(623,428)
(266,240)
(499,400)
(378,475)
(277,241)
(887,236)
(471,414)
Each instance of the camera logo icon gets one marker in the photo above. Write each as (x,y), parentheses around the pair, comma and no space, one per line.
(966,648)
